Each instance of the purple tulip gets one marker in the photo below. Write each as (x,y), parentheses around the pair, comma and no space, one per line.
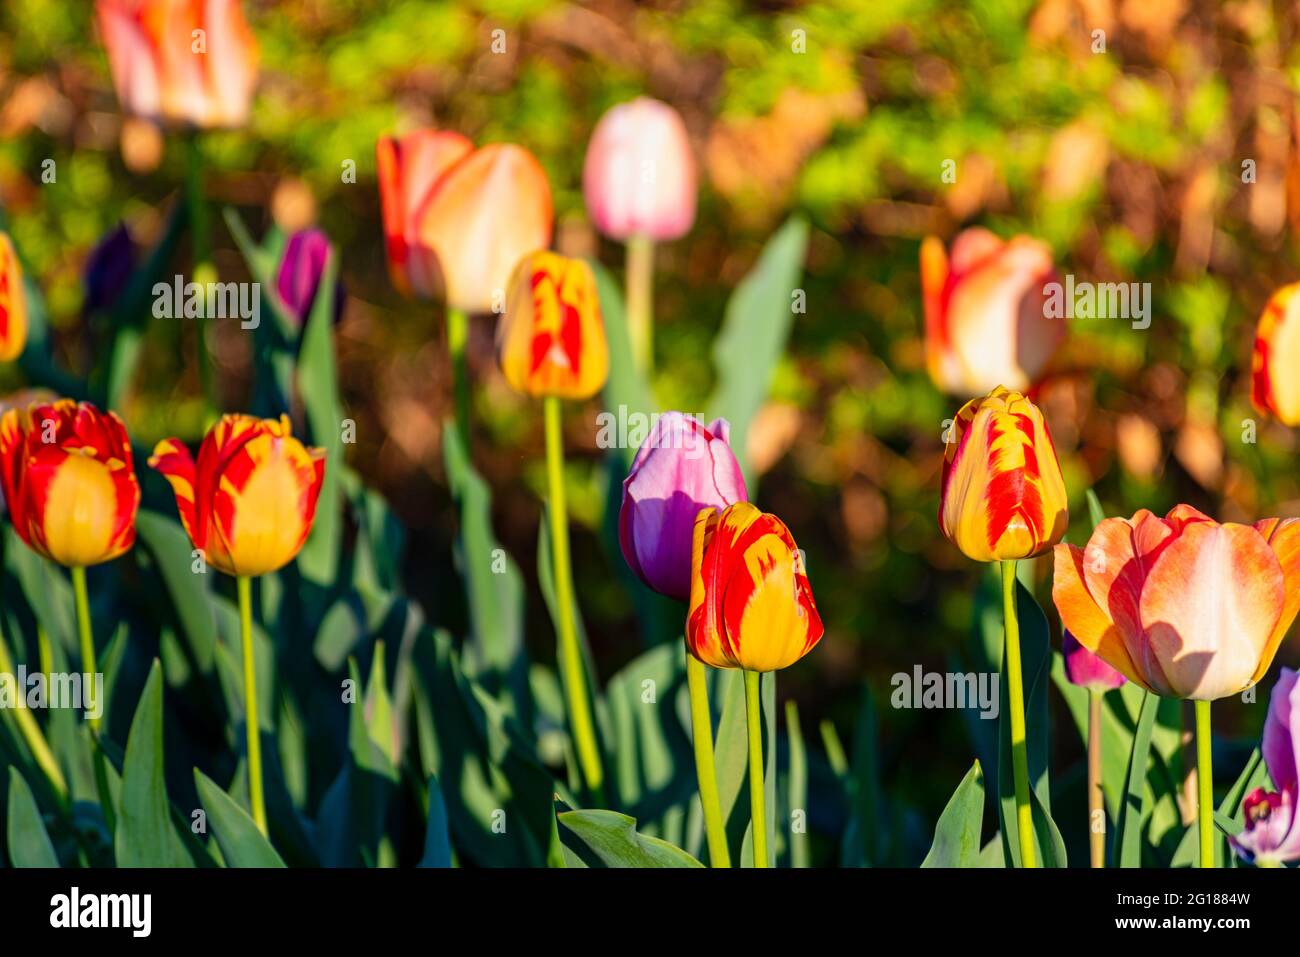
(681,468)
(1085,669)
(1272,832)
(301,269)
(107,269)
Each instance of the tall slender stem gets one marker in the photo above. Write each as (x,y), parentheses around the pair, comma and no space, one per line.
(201,251)
(1096,797)
(1015,692)
(457,343)
(31,731)
(640,302)
(90,679)
(584,729)
(251,728)
(1204,783)
(705,771)
(754,721)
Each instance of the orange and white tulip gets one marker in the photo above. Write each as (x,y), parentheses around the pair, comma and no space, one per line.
(457,219)
(1275,385)
(185,63)
(552,339)
(13,303)
(69,481)
(986,321)
(1003,495)
(751,604)
(1183,606)
(249,501)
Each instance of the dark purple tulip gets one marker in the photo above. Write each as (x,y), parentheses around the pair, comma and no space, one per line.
(1085,669)
(300,274)
(681,468)
(108,268)
(1272,832)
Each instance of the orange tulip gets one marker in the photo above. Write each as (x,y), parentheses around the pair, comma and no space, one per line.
(1003,495)
(13,303)
(552,340)
(1184,606)
(186,63)
(69,482)
(751,604)
(249,502)
(456,219)
(985,318)
(1276,389)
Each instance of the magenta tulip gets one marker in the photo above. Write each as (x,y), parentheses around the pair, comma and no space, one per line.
(1086,669)
(639,174)
(682,467)
(301,269)
(1272,832)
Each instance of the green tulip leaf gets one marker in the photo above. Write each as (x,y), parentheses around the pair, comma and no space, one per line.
(614,841)
(957,835)
(241,843)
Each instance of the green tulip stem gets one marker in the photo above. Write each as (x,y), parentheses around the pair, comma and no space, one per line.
(457,343)
(255,798)
(1016,694)
(31,731)
(640,302)
(204,271)
(1204,783)
(88,681)
(584,728)
(1096,798)
(705,770)
(754,721)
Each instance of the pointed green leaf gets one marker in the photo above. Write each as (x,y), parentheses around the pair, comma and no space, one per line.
(241,843)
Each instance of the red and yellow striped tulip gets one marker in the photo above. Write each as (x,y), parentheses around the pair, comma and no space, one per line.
(1003,495)
(552,340)
(1275,386)
(13,303)
(69,482)
(249,501)
(189,63)
(457,219)
(1183,606)
(986,321)
(751,604)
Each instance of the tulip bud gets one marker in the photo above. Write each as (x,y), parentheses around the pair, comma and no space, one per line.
(13,303)
(751,604)
(1085,669)
(1003,495)
(69,482)
(108,269)
(1275,386)
(249,501)
(551,340)
(1183,606)
(189,63)
(457,220)
(986,321)
(301,269)
(681,468)
(639,175)
(1272,831)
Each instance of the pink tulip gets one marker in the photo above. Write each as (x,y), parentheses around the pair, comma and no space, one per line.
(682,467)
(1085,669)
(639,175)
(1272,832)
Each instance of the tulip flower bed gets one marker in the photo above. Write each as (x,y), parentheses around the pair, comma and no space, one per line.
(448,545)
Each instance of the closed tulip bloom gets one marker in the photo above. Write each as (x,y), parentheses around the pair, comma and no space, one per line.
(1085,669)
(552,340)
(1183,606)
(456,219)
(1275,386)
(13,303)
(301,269)
(639,175)
(1272,831)
(185,63)
(986,321)
(751,604)
(108,269)
(249,501)
(1003,495)
(681,468)
(69,482)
